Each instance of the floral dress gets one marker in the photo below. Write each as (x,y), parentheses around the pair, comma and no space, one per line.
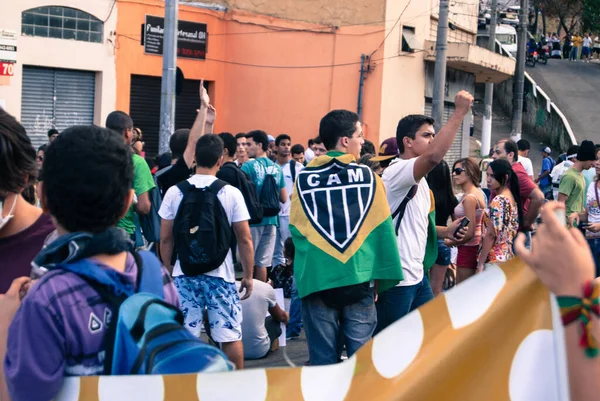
(504,218)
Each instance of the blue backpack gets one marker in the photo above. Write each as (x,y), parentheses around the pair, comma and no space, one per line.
(147,335)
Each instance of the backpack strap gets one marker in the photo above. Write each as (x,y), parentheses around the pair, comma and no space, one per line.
(293,169)
(402,208)
(185,187)
(151,277)
(217,185)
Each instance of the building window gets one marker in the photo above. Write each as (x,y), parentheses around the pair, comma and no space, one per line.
(409,43)
(61,23)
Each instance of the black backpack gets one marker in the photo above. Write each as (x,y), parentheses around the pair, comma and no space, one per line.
(248,190)
(269,195)
(202,233)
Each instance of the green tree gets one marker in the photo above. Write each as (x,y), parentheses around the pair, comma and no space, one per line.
(590,16)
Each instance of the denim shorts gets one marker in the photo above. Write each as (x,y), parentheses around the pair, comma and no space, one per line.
(444,254)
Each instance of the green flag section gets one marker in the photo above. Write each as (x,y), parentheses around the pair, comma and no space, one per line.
(377,259)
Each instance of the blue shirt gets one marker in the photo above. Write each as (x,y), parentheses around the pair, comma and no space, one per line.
(257,170)
(547,165)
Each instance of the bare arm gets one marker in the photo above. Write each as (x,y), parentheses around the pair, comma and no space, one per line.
(438,147)
(244,240)
(470,206)
(562,197)
(536,199)
(143,205)
(279,314)
(283,195)
(486,247)
(198,128)
(166,243)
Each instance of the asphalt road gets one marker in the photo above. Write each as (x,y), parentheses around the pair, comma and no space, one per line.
(575,88)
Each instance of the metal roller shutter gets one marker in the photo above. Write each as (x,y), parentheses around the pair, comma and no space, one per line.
(144,107)
(55,98)
(455,151)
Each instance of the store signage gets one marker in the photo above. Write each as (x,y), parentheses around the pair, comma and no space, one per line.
(191,38)
(8,46)
(7,69)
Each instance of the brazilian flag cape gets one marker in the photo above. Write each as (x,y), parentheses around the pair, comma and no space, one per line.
(341,227)
(431,249)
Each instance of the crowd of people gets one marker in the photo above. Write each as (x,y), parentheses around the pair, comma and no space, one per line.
(356,237)
(573,47)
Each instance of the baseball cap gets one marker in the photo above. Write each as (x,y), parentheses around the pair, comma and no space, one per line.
(587,151)
(271,139)
(388,150)
(546,150)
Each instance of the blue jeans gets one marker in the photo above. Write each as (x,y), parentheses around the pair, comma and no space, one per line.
(398,302)
(574,53)
(294,326)
(328,329)
(595,247)
(283,233)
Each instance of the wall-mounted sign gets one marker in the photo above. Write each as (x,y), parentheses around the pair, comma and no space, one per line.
(191,38)
(7,69)
(8,46)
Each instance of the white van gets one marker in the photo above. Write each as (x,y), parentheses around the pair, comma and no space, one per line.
(507,36)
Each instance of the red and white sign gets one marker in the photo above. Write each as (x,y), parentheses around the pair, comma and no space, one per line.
(7,69)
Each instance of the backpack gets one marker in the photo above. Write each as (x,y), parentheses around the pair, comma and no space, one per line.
(150,223)
(248,190)
(147,335)
(269,195)
(202,232)
(402,208)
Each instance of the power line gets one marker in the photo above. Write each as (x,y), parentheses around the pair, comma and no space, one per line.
(295,66)
(111,11)
(391,30)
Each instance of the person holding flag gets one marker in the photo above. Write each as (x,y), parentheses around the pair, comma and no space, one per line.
(345,243)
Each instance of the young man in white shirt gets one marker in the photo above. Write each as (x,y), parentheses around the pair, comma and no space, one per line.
(419,154)
(261,332)
(215,290)
(283,144)
(524,147)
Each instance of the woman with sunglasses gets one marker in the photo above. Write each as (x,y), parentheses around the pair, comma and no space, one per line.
(504,216)
(467,175)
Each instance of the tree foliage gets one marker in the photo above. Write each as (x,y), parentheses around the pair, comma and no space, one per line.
(568,12)
(590,16)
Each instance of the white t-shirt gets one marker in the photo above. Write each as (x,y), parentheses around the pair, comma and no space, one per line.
(398,179)
(309,154)
(527,165)
(587,42)
(233,203)
(254,310)
(289,186)
(593,209)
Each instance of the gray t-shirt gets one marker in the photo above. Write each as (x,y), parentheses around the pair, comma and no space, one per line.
(254,310)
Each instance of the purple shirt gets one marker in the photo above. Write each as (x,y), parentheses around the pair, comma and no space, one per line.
(17,251)
(60,331)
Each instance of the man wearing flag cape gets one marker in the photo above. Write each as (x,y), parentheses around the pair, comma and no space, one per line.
(345,243)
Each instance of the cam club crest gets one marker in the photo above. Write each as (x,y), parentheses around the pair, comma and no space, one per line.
(336,198)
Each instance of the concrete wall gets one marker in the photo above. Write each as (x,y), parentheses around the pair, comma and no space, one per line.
(326,12)
(61,53)
(260,78)
(540,115)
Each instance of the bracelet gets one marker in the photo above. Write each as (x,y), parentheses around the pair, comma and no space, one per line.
(573,308)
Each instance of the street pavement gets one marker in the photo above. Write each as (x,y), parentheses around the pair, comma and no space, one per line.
(575,88)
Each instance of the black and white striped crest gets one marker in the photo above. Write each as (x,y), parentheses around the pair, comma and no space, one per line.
(336,198)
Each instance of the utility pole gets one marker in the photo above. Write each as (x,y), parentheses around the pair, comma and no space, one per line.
(169,73)
(439,80)
(517,117)
(486,128)
(363,72)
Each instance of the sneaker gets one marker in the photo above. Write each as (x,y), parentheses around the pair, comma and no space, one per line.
(291,336)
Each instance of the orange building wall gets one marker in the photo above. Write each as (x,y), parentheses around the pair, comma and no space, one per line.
(277,100)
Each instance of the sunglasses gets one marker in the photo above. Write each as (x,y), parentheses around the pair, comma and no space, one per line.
(39,158)
(458,171)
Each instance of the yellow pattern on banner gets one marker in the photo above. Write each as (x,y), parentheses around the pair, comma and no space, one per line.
(494,337)
(379,212)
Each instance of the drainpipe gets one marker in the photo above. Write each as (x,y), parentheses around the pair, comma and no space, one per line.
(361,84)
